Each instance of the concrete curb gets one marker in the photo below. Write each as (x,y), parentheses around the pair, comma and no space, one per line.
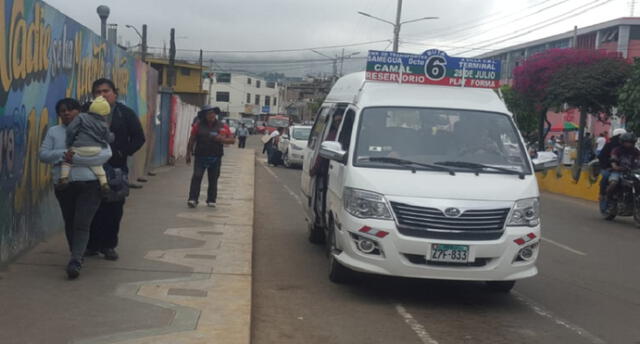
(213,305)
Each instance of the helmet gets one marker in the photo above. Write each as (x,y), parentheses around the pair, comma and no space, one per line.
(209,108)
(619,131)
(628,137)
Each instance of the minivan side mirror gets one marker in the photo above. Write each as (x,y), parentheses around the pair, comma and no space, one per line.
(332,150)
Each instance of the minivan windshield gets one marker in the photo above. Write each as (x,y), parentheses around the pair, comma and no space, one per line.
(301,133)
(461,140)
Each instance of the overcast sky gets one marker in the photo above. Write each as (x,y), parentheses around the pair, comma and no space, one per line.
(245,25)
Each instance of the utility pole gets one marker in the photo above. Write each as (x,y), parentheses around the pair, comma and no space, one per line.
(202,76)
(144,43)
(172,59)
(341,62)
(396,27)
(575,37)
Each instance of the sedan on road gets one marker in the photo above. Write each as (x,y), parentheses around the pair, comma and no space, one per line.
(292,144)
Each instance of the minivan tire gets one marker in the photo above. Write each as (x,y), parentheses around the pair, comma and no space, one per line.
(338,273)
(316,234)
(500,286)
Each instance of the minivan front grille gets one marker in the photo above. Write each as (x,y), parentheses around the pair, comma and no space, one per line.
(486,224)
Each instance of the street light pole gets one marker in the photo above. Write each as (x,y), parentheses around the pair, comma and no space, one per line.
(396,27)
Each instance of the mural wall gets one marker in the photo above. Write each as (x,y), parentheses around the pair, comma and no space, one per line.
(45,56)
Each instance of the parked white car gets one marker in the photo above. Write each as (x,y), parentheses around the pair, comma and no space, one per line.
(292,144)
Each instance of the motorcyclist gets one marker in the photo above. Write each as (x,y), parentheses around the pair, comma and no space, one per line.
(605,165)
(624,158)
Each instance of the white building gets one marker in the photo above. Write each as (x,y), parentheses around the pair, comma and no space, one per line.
(242,95)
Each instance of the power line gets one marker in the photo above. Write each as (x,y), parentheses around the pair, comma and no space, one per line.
(534,28)
(280,50)
(482,22)
(492,28)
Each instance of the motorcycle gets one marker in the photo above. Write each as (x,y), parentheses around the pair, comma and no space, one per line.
(626,199)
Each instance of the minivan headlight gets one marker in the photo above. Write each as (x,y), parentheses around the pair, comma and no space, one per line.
(365,204)
(526,212)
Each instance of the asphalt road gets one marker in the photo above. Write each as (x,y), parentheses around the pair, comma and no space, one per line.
(587,291)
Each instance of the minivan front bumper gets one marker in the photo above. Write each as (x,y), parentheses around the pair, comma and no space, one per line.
(406,256)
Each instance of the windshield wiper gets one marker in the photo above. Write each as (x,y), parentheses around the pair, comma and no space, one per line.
(408,163)
(478,167)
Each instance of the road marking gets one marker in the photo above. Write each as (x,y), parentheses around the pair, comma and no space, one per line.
(291,192)
(420,331)
(580,253)
(561,322)
(270,171)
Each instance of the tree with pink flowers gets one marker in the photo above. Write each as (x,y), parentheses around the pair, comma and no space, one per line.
(588,80)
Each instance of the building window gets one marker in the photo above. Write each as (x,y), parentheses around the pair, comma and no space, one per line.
(257,99)
(222,97)
(258,83)
(275,101)
(223,78)
(185,71)
(248,81)
(267,101)
(248,98)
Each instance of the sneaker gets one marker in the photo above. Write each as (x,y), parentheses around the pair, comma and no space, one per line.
(73,269)
(90,253)
(211,204)
(110,254)
(192,204)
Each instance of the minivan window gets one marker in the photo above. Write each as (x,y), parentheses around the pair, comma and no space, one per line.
(463,140)
(318,127)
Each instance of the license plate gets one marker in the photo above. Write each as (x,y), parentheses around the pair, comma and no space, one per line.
(449,253)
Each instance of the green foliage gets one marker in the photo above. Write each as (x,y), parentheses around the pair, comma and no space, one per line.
(523,110)
(629,98)
(592,88)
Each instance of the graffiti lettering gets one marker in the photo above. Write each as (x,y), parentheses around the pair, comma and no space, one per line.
(7,152)
(29,43)
(35,179)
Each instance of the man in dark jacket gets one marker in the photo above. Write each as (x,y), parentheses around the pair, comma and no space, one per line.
(605,165)
(128,139)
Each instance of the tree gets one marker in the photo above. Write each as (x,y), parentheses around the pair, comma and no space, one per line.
(591,85)
(629,98)
(533,77)
(523,110)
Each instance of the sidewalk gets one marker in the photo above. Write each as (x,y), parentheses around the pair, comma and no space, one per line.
(184,275)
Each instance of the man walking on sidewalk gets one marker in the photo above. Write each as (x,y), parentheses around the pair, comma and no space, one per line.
(128,139)
(207,140)
(242,134)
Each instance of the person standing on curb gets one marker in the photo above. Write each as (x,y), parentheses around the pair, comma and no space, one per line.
(242,134)
(80,200)
(128,139)
(206,143)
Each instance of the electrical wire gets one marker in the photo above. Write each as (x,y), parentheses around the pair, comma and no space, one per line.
(280,50)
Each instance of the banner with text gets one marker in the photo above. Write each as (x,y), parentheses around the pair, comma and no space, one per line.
(432,67)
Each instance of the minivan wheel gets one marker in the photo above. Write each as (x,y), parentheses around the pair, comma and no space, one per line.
(338,273)
(500,286)
(316,234)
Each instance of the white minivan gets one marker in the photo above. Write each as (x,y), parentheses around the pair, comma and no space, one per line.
(421,181)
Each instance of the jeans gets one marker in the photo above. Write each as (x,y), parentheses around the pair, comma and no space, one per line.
(242,141)
(212,166)
(79,203)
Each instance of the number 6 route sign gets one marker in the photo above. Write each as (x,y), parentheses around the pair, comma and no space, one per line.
(432,67)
